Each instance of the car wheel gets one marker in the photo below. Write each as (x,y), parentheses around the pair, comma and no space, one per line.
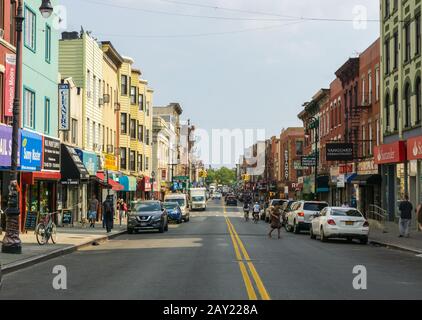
(364,241)
(130,231)
(323,237)
(311,232)
(287,227)
(296,228)
(161,229)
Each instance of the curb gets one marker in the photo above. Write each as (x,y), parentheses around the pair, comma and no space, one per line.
(15,266)
(396,247)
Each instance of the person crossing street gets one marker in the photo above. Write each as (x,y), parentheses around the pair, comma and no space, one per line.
(275,214)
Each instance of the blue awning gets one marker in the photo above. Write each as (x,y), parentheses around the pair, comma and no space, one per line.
(350,177)
(129,183)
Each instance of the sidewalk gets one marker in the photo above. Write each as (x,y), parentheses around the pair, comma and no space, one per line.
(69,240)
(390,238)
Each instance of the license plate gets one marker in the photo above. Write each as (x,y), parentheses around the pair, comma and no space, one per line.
(144,224)
(349,223)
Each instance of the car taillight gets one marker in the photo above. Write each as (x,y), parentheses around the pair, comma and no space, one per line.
(301,214)
(331,222)
(366,224)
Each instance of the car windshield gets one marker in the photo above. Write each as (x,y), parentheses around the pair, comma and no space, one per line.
(313,206)
(346,213)
(170,205)
(180,202)
(146,206)
(198,198)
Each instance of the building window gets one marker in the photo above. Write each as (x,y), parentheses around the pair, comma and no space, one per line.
(363,91)
(123,123)
(133,95)
(418,100)
(88,83)
(387,56)
(94,90)
(124,85)
(387,113)
(12,22)
(47,43)
(363,141)
(29,109)
(141,102)
(141,133)
(396,110)
(94,135)
(140,164)
(123,164)
(147,137)
(146,163)
(147,109)
(370,86)
(299,148)
(418,34)
(30,29)
(370,139)
(47,115)
(387,9)
(74,131)
(132,161)
(407,106)
(396,50)
(377,84)
(133,128)
(88,130)
(407,47)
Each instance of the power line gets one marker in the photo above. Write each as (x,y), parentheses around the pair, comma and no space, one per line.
(196,35)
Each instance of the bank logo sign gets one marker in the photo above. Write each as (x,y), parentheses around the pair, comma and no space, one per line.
(31,151)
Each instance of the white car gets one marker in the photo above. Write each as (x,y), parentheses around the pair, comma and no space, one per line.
(217,196)
(271,205)
(301,214)
(345,223)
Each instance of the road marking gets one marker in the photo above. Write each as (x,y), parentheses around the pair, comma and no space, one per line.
(237,242)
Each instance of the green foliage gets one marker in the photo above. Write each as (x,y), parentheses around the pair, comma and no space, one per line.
(224,176)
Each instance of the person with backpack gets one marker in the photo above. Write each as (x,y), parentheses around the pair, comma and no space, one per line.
(108,212)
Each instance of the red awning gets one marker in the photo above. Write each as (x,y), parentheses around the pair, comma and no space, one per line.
(30,177)
(114,185)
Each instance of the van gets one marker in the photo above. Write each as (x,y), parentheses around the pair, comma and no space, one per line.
(198,199)
(182,201)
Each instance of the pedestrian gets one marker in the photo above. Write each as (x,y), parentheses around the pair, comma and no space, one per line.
(120,210)
(419,216)
(405,209)
(275,214)
(93,211)
(108,214)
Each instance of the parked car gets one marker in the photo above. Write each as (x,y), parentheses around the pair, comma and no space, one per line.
(231,201)
(182,200)
(301,214)
(271,205)
(285,208)
(147,215)
(342,223)
(174,212)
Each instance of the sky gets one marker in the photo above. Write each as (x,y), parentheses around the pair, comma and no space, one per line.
(233,64)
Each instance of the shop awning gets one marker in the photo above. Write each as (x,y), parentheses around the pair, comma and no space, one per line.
(113,184)
(72,168)
(30,177)
(367,179)
(128,183)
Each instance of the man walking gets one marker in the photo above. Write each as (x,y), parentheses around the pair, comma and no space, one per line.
(93,211)
(108,212)
(405,209)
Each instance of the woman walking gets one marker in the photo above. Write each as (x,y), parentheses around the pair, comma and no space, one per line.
(275,214)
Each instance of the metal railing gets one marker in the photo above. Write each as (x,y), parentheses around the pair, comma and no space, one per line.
(378,214)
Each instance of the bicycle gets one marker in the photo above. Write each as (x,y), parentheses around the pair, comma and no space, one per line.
(46,230)
(255,217)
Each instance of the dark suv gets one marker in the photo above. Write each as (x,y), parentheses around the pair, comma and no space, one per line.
(147,215)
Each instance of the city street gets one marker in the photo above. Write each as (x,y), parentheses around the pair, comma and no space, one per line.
(217,255)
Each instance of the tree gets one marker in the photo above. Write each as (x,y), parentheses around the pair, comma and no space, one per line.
(223,176)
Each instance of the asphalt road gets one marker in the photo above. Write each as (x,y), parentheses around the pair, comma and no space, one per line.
(217,255)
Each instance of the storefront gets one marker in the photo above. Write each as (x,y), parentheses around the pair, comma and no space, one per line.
(323,187)
(414,156)
(73,196)
(341,188)
(392,159)
(5,163)
(129,184)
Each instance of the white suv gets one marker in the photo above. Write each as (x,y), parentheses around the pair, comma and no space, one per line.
(301,214)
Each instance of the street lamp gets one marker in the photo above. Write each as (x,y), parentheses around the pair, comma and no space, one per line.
(11,241)
(314,124)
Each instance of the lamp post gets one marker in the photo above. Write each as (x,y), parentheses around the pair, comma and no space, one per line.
(11,241)
(314,124)
(152,184)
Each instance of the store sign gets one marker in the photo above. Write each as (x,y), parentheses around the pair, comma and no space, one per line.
(308,161)
(90,161)
(286,165)
(297,165)
(339,151)
(52,152)
(390,153)
(414,148)
(341,181)
(64,107)
(110,162)
(346,168)
(367,167)
(5,146)
(9,83)
(31,151)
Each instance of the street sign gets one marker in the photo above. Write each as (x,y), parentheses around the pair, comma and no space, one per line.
(308,161)
(181,178)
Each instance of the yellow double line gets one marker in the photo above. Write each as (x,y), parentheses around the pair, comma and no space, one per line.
(237,243)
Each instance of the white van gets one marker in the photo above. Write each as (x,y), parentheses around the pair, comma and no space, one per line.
(182,200)
(198,199)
